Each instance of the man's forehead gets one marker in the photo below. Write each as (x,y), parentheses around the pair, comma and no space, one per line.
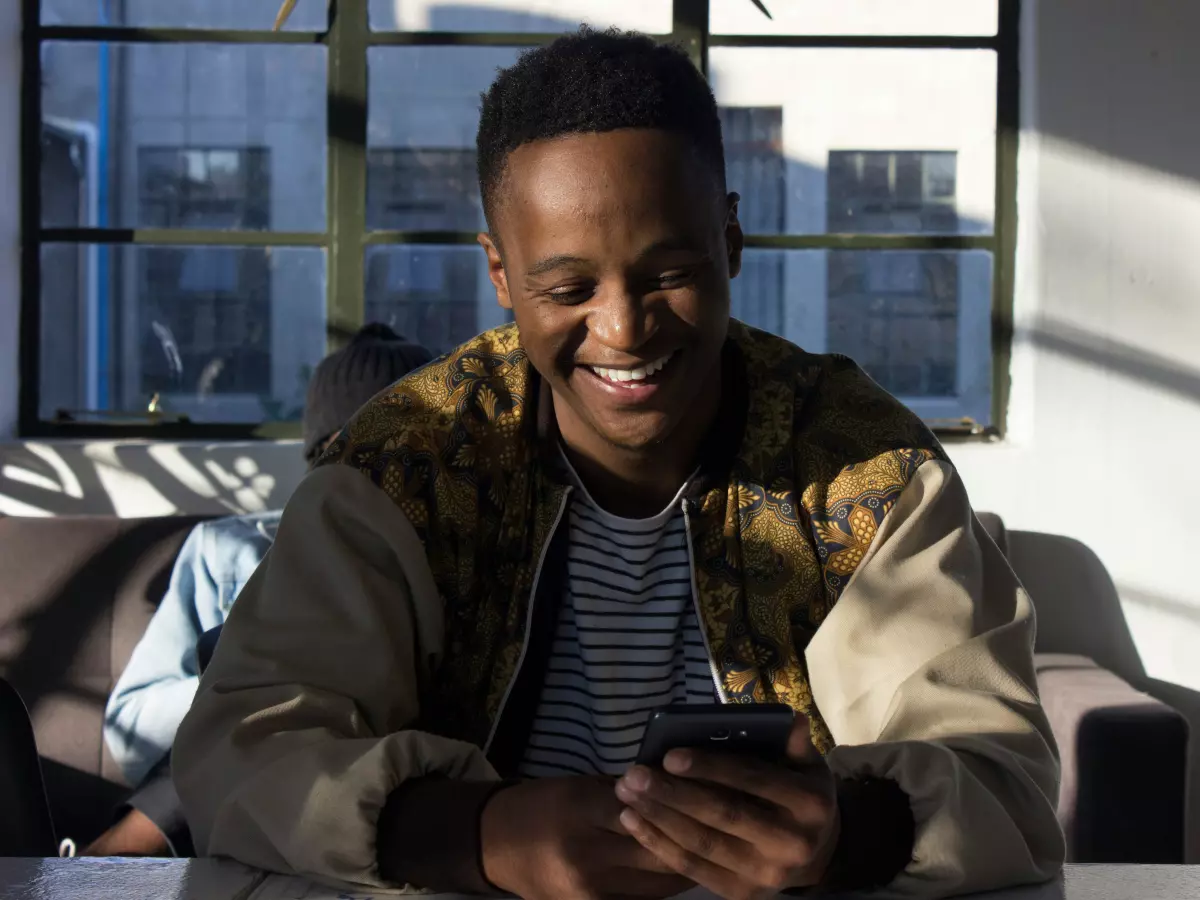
(622,154)
(594,175)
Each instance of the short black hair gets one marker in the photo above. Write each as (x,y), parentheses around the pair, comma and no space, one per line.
(594,81)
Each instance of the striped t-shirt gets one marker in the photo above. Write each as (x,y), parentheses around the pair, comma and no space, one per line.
(626,642)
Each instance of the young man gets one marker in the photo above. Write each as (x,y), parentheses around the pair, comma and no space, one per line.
(215,562)
(440,675)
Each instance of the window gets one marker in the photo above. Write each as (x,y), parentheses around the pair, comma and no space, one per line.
(218,204)
(881,192)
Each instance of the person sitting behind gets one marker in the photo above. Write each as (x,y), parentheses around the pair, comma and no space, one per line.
(215,562)
(441,674)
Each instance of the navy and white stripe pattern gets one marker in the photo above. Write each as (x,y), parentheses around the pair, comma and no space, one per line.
(626,642)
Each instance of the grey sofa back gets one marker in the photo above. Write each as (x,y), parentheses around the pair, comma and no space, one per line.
(76,594)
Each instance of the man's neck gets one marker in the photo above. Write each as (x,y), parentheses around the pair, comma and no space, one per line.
(637,483)
(633,486)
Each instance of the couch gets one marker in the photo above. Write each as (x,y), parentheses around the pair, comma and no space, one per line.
(76,594)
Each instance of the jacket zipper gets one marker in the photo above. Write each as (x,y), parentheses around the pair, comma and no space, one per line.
(533,591)
(712,663)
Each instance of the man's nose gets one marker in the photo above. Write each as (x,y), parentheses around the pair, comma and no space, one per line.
(622,321)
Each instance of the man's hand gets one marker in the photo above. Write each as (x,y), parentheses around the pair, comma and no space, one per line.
(743,828)
(561,839)
(133,835)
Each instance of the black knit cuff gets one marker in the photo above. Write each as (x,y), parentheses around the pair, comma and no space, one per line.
(156,799)
(428,835)
(877,835)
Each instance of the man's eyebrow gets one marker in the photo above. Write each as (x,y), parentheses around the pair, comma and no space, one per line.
(666,245)
(550,263)
(672,245)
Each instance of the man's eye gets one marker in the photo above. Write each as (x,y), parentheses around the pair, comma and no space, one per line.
(675,278)
(569,296)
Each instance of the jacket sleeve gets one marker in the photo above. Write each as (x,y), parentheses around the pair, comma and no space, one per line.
(923,671)
(302,727)
(156,688)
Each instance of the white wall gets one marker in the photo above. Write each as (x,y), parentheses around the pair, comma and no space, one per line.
(1106,378)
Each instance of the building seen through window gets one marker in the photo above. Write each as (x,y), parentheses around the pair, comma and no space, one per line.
(754,167)
(205,311)
(895,312)
(428,293)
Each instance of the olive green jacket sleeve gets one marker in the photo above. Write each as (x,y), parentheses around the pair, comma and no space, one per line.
(301,728)
(923,671)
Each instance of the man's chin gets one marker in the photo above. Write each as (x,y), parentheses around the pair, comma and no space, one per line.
(644,438)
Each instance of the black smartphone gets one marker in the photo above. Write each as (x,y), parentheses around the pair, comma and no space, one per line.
(759,729)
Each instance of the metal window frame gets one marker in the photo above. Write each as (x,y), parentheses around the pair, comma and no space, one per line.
(348,38)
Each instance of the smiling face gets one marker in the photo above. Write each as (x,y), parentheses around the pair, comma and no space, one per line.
(614,253)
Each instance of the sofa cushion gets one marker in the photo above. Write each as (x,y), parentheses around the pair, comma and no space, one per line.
(1124,762)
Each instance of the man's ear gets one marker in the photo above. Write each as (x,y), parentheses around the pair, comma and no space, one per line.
(735,241)
(496,272)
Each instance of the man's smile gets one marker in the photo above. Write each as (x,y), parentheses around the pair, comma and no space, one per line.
(632,374)
(632,385)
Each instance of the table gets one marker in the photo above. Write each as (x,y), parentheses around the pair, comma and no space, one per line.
(208,879)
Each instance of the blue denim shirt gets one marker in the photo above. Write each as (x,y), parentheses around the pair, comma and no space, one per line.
(156,688)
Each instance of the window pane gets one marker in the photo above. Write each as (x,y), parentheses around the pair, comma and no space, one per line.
(438,296)
(919,322)
(651,16)
(220,136)
(423,111)
(881,192)
(221,334)
(887,141)
(308,15)
(945,17)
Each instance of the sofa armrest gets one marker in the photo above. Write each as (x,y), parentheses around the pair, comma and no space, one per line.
(1124,764)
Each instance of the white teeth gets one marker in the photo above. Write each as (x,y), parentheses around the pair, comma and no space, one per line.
(626,375)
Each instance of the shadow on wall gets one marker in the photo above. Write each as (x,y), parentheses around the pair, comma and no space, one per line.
(1120,100)
(1128,50)
(1118,357)
(139,479)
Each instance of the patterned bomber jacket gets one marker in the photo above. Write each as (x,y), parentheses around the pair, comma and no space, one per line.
(815,454)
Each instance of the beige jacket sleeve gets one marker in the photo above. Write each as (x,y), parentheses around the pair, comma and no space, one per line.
(300,730)
(923,672)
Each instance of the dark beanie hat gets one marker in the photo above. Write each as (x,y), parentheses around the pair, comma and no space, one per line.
(346,379)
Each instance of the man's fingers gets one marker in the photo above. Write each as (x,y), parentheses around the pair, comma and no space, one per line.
(807,793)
(732,813)
(717,879)
(598,805)
(731,828)
(701,840)
(800,748)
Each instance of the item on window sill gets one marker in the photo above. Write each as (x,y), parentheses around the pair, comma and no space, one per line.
(153,415)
